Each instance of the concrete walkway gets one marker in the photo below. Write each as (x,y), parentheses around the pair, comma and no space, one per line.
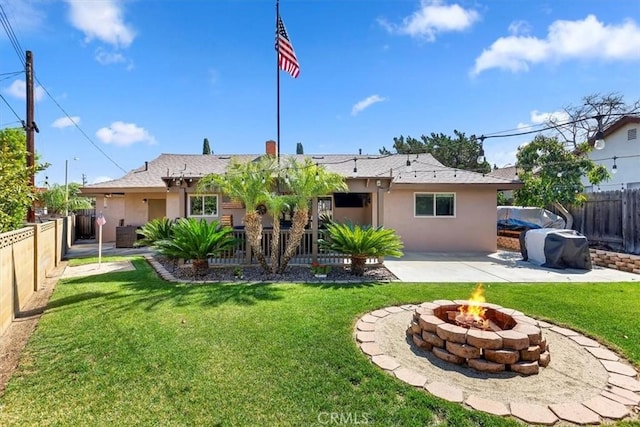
(89,248)
(500,266)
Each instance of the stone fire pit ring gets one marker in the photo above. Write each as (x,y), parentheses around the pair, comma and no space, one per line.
(514,341)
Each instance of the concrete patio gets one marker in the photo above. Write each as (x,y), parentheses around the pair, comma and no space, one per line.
(501,266)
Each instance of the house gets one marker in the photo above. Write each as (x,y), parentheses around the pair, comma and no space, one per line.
(432,207)
(509,173)
(620,155)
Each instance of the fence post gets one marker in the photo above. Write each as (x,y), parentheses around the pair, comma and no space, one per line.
(36,255)
(314,230)
(247,259)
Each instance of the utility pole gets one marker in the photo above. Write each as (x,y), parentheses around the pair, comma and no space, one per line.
(84,180)
(30,127)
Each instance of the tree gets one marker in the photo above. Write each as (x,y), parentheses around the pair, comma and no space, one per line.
(250,183)
(551,175)
(55,199)
(254,183)
(578,123)
(16,195)
(299,148)
(206,149)
(459,152)
(305,180)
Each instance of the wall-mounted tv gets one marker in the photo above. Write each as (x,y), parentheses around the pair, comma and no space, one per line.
(350,200)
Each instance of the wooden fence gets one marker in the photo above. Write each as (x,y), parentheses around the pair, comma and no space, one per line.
(27,256)
(611,220)
(241,253)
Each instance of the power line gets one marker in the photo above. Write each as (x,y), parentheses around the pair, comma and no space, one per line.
(546,127)
(11,108)
(6,24)
(88,138)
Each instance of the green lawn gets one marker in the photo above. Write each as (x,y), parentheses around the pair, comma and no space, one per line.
(130,349)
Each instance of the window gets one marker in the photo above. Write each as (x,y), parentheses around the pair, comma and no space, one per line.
(435,204)
(203,205)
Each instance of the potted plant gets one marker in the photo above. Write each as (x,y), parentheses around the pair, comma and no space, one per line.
(320,270)
(238,273)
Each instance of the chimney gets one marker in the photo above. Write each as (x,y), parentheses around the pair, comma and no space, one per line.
(271,148)
(146,166)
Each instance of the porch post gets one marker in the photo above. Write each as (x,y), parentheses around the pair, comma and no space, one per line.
(183,203)
(314,229)
(380,206)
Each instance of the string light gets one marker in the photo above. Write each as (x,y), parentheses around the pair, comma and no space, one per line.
(355,167)
(409,168)
(614,169)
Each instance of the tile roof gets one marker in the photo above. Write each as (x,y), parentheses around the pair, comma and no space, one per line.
(425,169)
(507,172)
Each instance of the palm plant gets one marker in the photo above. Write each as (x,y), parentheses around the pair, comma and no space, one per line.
(306,180)
(249,182)
(155,230)
(360,243)
(60,197)
(197,241)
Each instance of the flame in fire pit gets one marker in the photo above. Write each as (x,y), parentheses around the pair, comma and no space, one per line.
(472,315)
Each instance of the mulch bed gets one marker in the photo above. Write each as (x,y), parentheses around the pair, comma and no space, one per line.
(293,273)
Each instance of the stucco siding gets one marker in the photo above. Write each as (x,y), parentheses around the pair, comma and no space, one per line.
(173,205)
(113,210)
(135,210)
(472,229)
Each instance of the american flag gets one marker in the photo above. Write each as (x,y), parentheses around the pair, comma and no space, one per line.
(286,56)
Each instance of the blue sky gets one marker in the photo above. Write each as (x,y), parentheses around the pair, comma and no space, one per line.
(145,77)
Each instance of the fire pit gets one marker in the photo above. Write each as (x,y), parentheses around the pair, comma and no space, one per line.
(483,336)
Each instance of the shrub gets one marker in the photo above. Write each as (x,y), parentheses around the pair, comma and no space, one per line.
(197,241)
(155,230)
(361,242)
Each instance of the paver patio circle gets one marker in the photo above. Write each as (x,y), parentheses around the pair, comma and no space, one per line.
(575,376)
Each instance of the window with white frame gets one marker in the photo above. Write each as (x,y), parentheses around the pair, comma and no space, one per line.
(201,205)
(434,204)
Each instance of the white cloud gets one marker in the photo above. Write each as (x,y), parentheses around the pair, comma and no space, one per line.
(566,40)
(65,122)
(433,17)
(519,28)
(540,117)
(102,20)
(105,58)
(366,103)
(124,134)
(18,89)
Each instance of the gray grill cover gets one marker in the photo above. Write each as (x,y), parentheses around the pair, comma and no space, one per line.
(555,248)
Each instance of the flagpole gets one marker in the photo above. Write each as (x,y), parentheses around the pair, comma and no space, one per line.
(277,83)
